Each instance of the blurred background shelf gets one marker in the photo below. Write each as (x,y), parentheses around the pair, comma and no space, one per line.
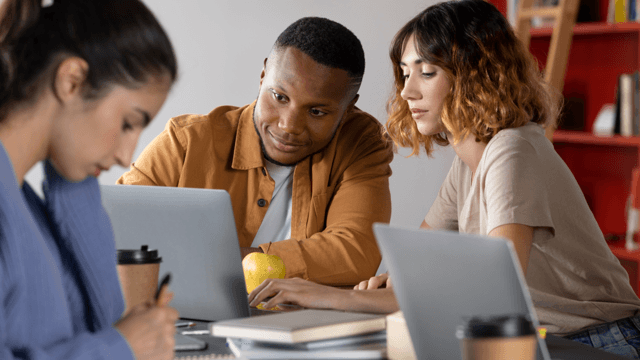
(603,166)
(630,260)
(599,53)
(594,28)
(581,137)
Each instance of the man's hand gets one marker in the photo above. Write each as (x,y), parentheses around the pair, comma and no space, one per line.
(374,282)
(297,291)
(308,294)
(244,251)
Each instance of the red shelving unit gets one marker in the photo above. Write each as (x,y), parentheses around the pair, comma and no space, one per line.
(603,166)
(629,260)
(600,52)
(581,137)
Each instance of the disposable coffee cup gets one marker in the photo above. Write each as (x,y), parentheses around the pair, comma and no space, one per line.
(138,272)
(505,337)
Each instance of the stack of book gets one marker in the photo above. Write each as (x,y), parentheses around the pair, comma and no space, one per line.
(306,334)
(627,121)
(623,10)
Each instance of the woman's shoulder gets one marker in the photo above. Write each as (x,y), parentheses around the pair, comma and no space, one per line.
(526,144)
(528,132)
(529,137)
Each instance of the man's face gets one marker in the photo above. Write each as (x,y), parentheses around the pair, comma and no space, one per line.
(300,105)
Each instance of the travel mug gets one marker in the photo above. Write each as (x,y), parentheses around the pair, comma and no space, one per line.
(138,272)
(505,337)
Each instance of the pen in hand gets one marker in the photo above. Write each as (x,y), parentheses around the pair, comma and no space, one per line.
(161,299)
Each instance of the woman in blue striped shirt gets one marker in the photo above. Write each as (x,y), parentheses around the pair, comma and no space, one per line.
(79,80)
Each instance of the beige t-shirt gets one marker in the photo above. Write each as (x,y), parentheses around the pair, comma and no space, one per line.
(574,279)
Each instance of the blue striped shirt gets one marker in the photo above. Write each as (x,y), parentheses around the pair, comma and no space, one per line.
(59,288)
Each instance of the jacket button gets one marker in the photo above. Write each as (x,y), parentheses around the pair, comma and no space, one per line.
(262,202)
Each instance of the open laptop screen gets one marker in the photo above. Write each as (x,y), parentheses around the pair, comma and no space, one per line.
(194,232)
(442,277)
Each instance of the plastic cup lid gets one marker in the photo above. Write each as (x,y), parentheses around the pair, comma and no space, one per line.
(496,326)
(142,256)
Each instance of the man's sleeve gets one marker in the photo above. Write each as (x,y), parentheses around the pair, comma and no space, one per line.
(161,161)
(345,252)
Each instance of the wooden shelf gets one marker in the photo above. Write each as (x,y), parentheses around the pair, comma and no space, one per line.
(602,165)
(617,248)
(582,137)
(600,52)
(630,260)
(593,28)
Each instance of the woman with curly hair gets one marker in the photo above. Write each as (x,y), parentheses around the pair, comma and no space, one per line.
(462,78)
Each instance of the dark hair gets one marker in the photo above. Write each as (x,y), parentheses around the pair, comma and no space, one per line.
(495,81)
(121,41)
(327,43)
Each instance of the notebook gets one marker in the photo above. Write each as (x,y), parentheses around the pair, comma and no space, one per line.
(300,326)
(216,349)
(369,346)
(194,232)
(441,277)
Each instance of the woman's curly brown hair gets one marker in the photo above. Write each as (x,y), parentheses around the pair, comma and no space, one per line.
(495,81)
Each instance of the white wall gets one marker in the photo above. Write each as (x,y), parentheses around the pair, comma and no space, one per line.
(221,45)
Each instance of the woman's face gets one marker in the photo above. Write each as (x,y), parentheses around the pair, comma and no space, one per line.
(95,134)
(425,88)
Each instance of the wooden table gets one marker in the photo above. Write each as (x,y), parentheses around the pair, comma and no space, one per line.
(559,348)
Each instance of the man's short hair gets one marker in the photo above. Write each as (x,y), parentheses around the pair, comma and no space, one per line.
(327,43)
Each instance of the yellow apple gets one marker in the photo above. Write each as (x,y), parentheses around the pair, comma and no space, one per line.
(258,266)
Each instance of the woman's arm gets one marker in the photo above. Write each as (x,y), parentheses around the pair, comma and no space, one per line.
(521,236)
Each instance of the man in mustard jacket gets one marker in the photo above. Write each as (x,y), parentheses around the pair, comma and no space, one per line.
(307,171)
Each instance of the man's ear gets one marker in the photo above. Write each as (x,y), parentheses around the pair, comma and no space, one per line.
(353,102)
(264,70)
(70,77)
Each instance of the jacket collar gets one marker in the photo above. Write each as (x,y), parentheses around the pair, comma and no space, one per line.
(247,153)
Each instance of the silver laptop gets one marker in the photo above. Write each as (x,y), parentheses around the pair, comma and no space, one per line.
(440,278)
(195,234)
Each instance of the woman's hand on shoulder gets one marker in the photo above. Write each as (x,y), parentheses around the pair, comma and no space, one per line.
(374,282)
(149,330)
